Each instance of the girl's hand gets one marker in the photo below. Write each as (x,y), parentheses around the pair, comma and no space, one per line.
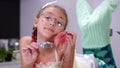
(65,44)
(59,43)
(69,47)
(29,55)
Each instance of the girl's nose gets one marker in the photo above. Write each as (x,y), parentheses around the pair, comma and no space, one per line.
(52,22)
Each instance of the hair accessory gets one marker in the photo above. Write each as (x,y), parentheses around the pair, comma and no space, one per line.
(45,44)
(53,2)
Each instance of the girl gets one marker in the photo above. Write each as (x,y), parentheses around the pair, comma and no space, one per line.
(40,50)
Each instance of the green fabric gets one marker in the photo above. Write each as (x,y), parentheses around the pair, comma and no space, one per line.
(104,54)
(95,24)
(102,64)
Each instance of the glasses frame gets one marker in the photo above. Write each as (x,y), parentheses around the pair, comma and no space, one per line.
(59,22)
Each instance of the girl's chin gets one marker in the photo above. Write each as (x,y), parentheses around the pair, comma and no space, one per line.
(48,36)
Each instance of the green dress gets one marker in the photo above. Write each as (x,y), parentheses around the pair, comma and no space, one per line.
(95,29)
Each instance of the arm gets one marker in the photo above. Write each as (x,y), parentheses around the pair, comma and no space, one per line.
(69,51)
(65,46)
(28,52)
(23,42)
(68,60)
(26,40)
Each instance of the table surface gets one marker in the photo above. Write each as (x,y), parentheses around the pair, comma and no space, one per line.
(12,64)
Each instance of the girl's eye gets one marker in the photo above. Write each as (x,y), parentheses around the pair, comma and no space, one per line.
(48,18)
(59,24)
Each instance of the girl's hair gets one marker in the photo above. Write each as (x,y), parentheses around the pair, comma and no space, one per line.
(34,32)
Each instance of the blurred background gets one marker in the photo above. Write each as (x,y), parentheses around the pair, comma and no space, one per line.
(16,20)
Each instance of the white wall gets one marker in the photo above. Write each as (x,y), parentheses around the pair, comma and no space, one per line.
(29,8)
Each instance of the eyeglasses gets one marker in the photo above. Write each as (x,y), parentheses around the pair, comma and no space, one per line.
(47,17)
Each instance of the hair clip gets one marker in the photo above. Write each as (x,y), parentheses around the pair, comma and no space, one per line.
(53,2)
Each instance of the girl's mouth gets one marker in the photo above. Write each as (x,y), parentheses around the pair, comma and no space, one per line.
(49,29)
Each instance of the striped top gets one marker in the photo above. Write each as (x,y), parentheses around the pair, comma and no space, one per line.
(95,24)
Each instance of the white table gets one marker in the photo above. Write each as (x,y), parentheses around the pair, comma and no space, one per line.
(13,64)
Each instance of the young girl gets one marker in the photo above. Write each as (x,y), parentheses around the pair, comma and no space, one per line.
(40,50)
(95,29)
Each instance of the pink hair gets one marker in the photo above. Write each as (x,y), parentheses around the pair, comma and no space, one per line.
(60,38)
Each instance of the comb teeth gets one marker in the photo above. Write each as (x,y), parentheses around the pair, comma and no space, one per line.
(45,44)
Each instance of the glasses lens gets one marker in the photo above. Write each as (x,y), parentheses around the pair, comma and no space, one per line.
(50,18)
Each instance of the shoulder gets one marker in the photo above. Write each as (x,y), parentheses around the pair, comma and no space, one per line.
(25,40)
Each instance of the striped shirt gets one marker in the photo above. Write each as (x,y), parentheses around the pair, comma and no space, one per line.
(95,24)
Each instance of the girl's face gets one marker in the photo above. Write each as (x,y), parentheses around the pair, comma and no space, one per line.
(51,22)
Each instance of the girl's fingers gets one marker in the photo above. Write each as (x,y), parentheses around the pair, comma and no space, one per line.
(70,41)
(71,38)
(33,49)
(30,52)
(35,45)
(72,34)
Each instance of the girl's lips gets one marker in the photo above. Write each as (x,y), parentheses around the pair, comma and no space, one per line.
(50,29)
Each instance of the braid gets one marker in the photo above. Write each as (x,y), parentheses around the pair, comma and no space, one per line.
(34,34)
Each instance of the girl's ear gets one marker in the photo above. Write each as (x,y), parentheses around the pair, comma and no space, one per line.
(35,21)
